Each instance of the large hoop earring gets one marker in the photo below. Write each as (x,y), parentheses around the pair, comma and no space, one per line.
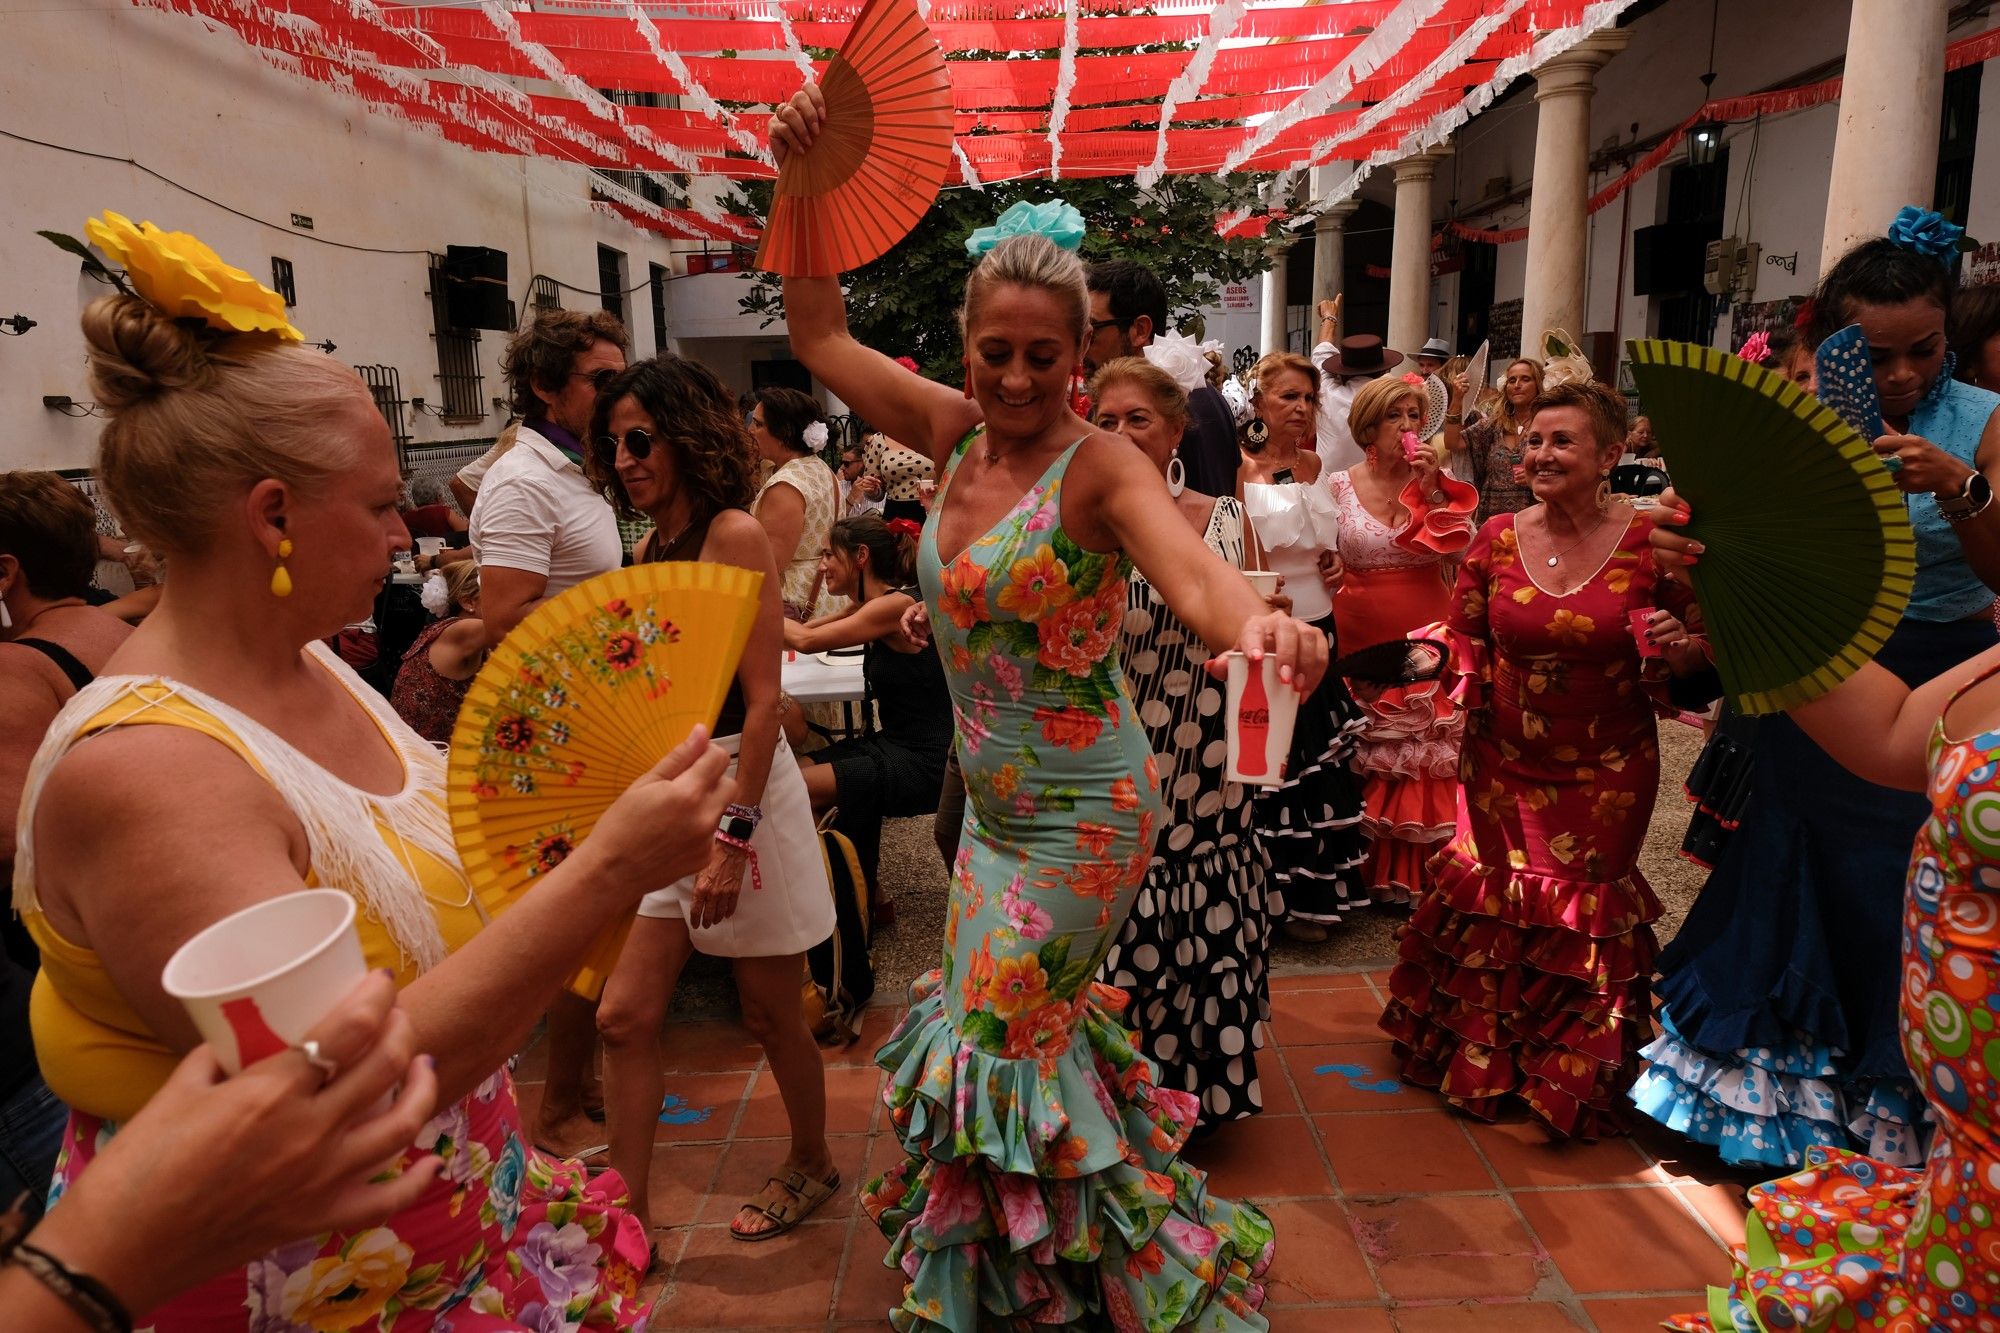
(1176,476)
(1604,493)
(1257,432)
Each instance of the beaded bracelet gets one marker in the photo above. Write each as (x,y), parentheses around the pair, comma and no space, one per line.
(90,1300)
(738,844)
(753,813)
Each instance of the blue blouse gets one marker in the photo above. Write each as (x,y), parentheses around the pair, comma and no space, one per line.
(1952,416)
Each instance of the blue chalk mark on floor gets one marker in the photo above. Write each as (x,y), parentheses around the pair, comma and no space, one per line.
(674,1111)
(1360,1078)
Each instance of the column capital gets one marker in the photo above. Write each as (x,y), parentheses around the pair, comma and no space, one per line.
(1334,217)
(1421,166)
(1574,72)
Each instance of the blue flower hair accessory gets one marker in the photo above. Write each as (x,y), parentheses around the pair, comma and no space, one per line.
(1055,219)
(1927,233)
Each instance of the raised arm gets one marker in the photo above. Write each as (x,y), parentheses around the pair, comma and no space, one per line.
(910,408)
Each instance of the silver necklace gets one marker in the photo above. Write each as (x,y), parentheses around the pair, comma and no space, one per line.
(1602,519)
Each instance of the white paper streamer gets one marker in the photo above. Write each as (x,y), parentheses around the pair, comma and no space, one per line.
(1065,83)
(697,98)
(1188,83)
(792,47)
(965,167)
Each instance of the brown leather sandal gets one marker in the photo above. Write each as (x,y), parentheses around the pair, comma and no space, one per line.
(787,1201)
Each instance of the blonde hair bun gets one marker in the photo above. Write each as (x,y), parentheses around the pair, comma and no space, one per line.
(137,352)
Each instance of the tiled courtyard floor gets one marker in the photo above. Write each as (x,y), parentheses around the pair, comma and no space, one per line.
(1392,1214)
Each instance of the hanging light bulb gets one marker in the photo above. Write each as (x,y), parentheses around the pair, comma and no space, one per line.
(1705,136)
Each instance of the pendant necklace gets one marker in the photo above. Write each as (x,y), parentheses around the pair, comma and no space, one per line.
(1579,541)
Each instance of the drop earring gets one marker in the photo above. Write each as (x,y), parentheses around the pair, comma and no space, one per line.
(6,617)
(281,578)
(1604,493)
(1176,476)
(1256,433)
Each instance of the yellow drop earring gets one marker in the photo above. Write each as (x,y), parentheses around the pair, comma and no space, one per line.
(281,578)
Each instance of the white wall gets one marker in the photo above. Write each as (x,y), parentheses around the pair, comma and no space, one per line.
(200,108)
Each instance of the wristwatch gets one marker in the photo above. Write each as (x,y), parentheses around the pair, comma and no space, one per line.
(1970,502)
(736,828)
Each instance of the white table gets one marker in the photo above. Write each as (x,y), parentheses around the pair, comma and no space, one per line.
(818,678)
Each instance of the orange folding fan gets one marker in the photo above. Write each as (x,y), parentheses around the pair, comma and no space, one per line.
(880,157)
(589,691)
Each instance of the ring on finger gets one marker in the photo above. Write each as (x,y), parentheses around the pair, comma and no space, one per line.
(329,1069)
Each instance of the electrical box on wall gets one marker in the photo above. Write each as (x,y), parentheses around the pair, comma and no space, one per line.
(1730,267)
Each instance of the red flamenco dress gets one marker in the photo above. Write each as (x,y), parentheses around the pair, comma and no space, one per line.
(1525,969)
(1398,586)
(1852,1243)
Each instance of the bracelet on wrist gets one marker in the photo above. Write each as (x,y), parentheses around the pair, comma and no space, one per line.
(753,813)
(91,1301)
(736,844)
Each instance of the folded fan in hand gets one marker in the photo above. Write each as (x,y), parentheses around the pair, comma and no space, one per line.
(1801,582)
(588,693)
(1844,379)
(880,155)
(1397,662)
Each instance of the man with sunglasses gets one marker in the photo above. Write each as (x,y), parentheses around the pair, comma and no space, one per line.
(1128,306)
(539,526)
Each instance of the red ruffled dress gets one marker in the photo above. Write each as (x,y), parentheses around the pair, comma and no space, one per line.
(1525,969)
(1398,586)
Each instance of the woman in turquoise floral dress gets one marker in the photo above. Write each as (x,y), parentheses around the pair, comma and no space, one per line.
(1043,1187)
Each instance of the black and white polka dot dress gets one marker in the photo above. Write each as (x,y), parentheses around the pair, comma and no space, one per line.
(1192,953)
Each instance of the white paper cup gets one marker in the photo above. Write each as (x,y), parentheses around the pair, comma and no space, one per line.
(257,981)
(429,545)
(1261,712)
(1263,582)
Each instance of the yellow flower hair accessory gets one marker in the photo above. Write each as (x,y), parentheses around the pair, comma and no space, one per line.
(179,275)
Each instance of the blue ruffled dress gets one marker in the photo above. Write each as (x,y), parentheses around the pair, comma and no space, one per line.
(1778,996)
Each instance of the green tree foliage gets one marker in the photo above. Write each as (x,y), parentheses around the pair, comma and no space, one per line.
(906,302)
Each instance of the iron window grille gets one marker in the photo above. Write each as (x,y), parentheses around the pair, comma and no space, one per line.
(461,396)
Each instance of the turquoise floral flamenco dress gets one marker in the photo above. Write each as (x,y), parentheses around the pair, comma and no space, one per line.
(1044,1188)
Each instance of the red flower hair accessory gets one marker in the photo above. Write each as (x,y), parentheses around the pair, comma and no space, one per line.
(904,527)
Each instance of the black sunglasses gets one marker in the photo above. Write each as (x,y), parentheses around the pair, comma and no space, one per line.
(1098,326)
(600,379)
(638,442)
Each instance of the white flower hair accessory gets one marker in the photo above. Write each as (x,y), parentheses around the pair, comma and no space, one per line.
(1238,398)
(814,436)
(1181,357)
(434,596)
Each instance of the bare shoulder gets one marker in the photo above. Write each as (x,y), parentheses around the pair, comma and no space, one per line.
(736,537)
(29,678)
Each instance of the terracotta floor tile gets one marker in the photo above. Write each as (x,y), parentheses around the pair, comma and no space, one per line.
(1408,1152)
(701,1107)
(748,1163)
(721,1282)
(1499,1317)
(1291,981)
(1522,1154)
(680,1179)
(1317,1258)
(869,1289)
(1448,1249)
(1324,1017)
(1624,1240)
(707,1047)
(1353,1076)
(851,1098)
(1723,1207)
(1264,1157)
(1334,1319)
(1642,1314)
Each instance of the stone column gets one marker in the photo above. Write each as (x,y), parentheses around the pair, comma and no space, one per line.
(1558,230)
(1330,257)
(1891,95)
(1410,253)
(1276,280)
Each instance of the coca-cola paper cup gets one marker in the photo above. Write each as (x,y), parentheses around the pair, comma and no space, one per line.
(1263,582)
(257,981)
(1260,713)
(1641,620)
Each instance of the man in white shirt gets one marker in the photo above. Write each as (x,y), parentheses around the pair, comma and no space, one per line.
(1344,368)
(539,526)
(860,493)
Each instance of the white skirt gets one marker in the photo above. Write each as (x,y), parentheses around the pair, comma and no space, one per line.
(794,909)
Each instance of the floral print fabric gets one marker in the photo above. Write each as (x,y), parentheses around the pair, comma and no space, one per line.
(1043,1186)
(1853,1243)
(506,1240)
(1524,969)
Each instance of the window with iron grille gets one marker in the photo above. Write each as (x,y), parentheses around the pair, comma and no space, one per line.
(646,185)
(611,280)
(385,386)
(659,277)
(282,281)
(460,398)
(543,294)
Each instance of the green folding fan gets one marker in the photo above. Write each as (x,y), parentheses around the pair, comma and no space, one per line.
(1810,558)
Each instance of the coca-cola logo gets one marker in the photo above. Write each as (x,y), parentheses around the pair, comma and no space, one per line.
(1254,717)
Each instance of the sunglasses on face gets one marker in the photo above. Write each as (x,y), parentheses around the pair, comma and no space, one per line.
(599,379)
(638,442)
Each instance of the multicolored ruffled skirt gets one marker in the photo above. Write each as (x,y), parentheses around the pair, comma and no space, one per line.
(1049,1194)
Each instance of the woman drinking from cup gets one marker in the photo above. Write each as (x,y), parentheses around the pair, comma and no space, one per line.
(263,471)
(1403,520)
(1193,953)
(1779,994)
(1001,1087)
(1523,971)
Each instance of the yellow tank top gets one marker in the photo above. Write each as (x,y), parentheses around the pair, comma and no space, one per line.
(96,1053)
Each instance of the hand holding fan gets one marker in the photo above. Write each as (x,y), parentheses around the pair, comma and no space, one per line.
(587,694)
(880,155)
(1844,378)
(1801,583)
(1437,403)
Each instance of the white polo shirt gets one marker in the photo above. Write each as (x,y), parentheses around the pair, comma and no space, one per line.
(536,512)
(1335,444)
